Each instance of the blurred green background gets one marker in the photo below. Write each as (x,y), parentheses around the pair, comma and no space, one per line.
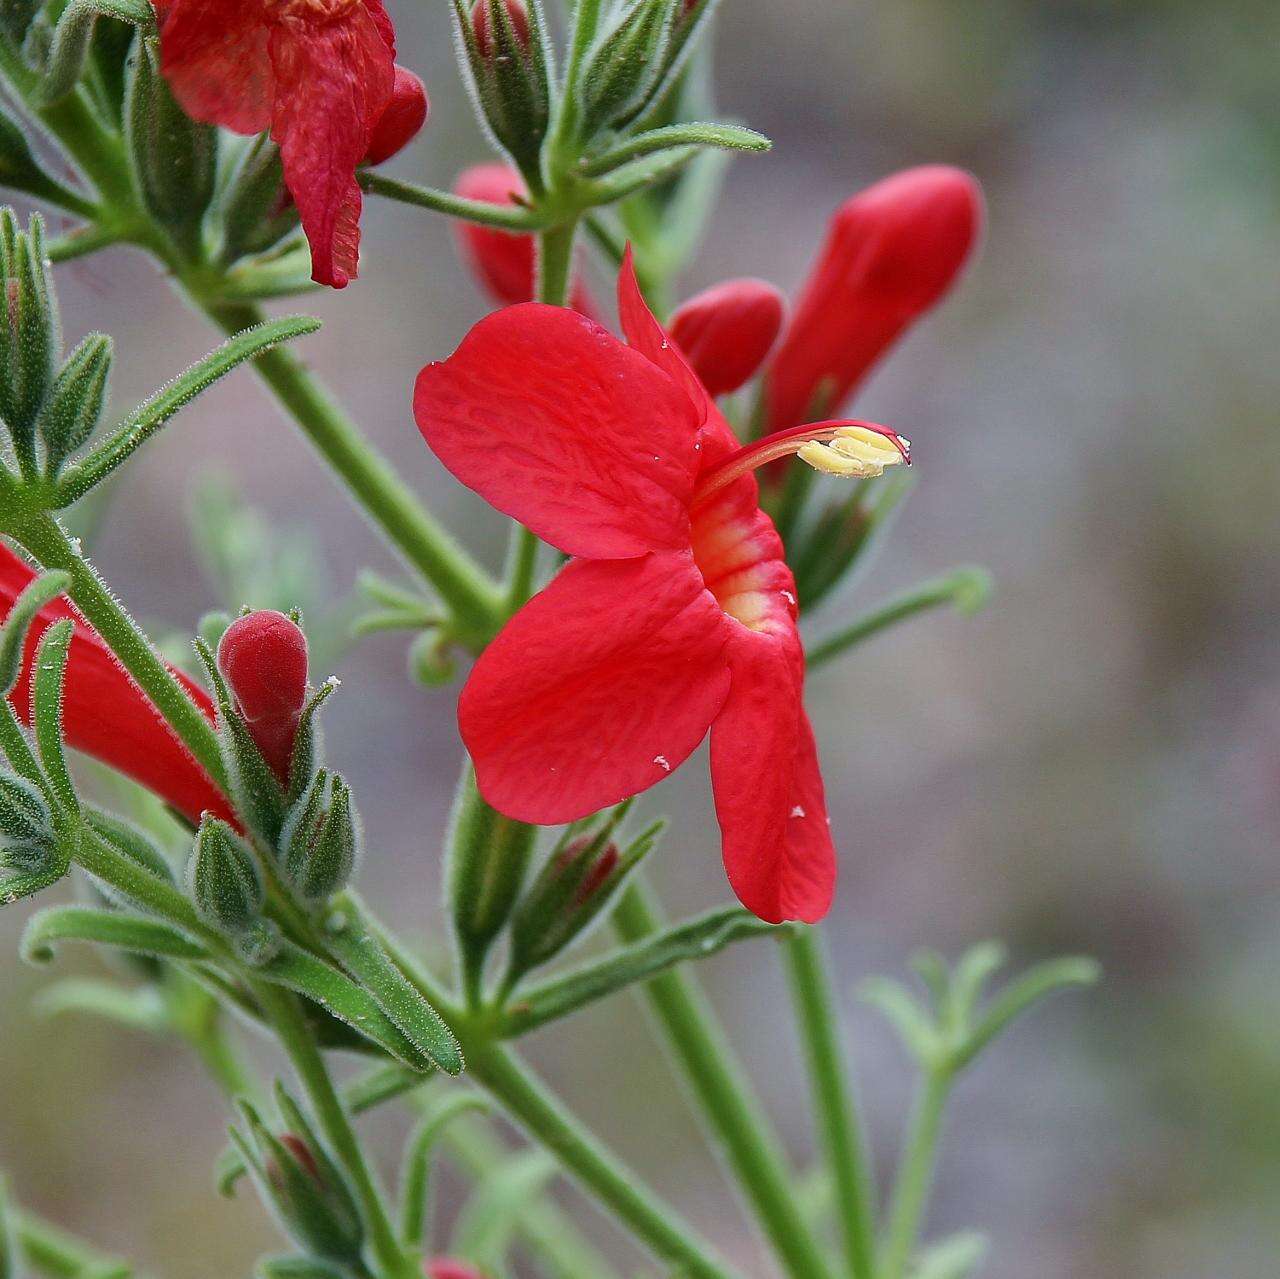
(1091,765)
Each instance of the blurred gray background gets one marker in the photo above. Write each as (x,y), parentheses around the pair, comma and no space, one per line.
(1091,765)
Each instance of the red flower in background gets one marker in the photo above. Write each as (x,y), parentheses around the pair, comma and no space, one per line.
(504,262)
(402,119)
(106,715)
(677,614)
(726,331)
(891,254)
(318,73)
(447,1268)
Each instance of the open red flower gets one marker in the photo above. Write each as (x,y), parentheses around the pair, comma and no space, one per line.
(106,715)
(318,73)
(890,255)
(677,614)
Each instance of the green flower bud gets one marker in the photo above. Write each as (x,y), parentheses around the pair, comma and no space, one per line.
(75,402)
(624,68)
(223,879)
(30,337)
(25,816)
(320,840)
(254,211)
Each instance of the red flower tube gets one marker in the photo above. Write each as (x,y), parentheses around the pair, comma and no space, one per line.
(106,715)
(318,73)
(891,254)
(504,262)
(726,331)
(677,614)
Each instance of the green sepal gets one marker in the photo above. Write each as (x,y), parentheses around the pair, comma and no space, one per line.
(30,334)
(320,839)
(307,742)
(63,63)
(142,934)
(695,939)
(13,635)
(621,75)
(76,400)
(252,212)
(46,711)
(21,171)
(223,879)
(173,158)
(25,816)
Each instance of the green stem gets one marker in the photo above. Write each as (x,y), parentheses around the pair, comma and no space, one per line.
(555,263)
(698,1044)
(44,538)
(915,1173)
(834,1104)
(508,217)
(300,1045)
(475,599)
(966,588)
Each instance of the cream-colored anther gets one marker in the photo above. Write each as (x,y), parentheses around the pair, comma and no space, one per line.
(829,462)
(870,447)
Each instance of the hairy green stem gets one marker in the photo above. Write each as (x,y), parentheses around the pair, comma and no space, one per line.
(725,1097)
(835,1106)
(915,1172)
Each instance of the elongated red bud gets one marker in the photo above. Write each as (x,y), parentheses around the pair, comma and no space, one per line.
(401,119)
(447,1268)
(481,24)
(504,262)
(263,657)
(726,331)
(302,1153)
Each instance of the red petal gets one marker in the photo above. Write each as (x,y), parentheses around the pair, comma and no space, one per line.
(725,332)
(504,262)
(552,420)
(768,790)
(213,53)
(106,715)
(332,84)
(598,688)
(890,255)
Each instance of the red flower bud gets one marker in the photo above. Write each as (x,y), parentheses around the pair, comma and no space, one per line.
(445,1268)
(480,24)
(263,657)
(598,872)
(890,255)
(401,119)
(725,332)
(302,1153)
(503,261)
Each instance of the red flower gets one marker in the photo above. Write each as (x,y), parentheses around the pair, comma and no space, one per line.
(726,331)
(502,261)
(677,614)
(318,73)
(263,658)
(517,15)
(401,120)
(890,255)
(106,715)
(446,1268)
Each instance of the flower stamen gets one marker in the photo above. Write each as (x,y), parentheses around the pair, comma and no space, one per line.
(849,449)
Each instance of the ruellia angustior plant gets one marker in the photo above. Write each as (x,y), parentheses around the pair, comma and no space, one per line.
(682,490)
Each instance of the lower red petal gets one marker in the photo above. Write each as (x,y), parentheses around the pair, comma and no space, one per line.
(768,789)
(597,689)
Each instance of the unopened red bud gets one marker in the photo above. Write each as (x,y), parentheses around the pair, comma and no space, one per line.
(401,119)
(597,874)
(504,262)
(302,1153)
(263,657)
(447,1268)
(482,24)
(726,331)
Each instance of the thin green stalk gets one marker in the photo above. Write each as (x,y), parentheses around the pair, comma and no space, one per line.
(298,1042)
(966,588)
(835,1106)
(727,1101)
(44,538)
(555,263)
(507,217)
(53,1251)
(915,1172)
(474,598)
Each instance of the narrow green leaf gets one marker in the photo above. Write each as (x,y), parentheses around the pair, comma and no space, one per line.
(416,1169)
(365,958)
(695,939)
(139,933)
(911,1021)
(485,1225)
(955,1258)
(976,967)
(13,635)
(300,971)
(644,172)
(148,418)
(72,38)
(138,1008)
(723,137)
(46,710)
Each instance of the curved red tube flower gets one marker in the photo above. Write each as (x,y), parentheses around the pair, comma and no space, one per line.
(890,255)
(726,331)
(318,73)
(677,614)
(106,715)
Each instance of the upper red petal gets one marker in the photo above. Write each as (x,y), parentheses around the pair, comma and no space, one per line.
(598,688)
(104,714)
(768,790)
(332,84)
(213,53)
(890,255)
(556,423)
